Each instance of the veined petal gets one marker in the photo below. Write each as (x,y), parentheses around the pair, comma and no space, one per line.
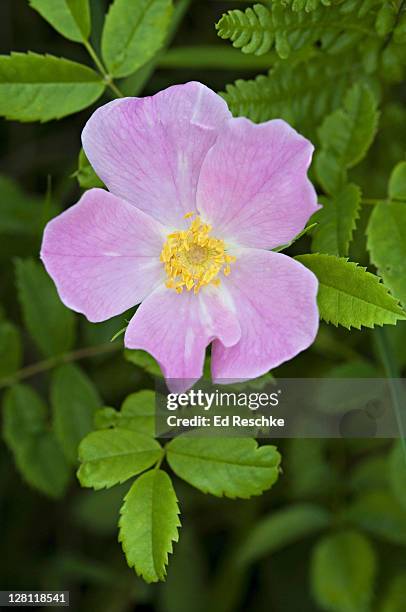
(176,329)
(253,187)
(150,150)
(103,255)
(277,309)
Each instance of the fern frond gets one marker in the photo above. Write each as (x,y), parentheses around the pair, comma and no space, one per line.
(335,29)
(249,30)
(302,94)
(305,5)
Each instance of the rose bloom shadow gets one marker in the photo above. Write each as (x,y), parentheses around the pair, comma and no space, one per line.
(197,199)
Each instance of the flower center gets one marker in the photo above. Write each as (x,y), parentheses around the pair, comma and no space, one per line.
(193,258)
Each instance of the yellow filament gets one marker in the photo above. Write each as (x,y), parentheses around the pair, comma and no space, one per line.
(192,258)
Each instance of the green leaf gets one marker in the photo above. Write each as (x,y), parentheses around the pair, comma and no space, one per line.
(280,529)
(137,413)
(397,473)
(49,322)
(309,473)
(86,176)
(397,182)
(234,467)
(105,417)
(336,221)
(387,246)
(379,513)
(343,572)
(19,213)
(71,18)
(35,448)
(111,456)
(396,596)
(10,349)
(45,87)
(369,474)
(349,295)
(346,136)
(133,32)
(149,524)
(144,361)
(74,402)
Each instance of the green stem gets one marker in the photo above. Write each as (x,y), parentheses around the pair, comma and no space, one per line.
(98,63)
(52,362)
(393,375)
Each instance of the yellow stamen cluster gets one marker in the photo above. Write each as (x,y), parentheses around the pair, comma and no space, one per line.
(193,258)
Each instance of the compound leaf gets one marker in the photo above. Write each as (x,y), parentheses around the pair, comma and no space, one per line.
(300,93)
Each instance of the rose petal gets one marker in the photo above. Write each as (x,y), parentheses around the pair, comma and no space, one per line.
(103,255)
(275,297)
(253,186)
(150,150)
(176,329)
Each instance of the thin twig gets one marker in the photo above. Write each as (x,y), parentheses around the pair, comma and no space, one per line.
(393,375)
(52,362)
(99,64)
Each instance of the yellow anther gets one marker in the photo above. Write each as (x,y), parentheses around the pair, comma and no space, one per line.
(192,258)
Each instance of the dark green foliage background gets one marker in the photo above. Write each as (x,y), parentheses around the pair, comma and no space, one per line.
(227,559)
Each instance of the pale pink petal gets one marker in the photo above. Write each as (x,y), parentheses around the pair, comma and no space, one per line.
(103,255)
(176,329)
(150,150)
(253,187)
(276,306)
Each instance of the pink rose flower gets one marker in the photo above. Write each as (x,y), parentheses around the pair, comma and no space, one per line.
(196,201)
